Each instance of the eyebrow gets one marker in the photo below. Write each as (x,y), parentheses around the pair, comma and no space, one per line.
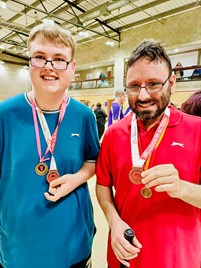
(54,55)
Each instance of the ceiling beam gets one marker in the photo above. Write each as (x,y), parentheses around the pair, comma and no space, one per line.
(61,19)
(133,11)
(162,15)
(94,17)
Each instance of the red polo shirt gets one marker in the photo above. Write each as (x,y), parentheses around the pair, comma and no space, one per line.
(168,228)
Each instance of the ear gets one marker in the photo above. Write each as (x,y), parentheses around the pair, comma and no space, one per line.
(73,65)
(172,83)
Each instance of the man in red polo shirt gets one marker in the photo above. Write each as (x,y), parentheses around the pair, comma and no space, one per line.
(149,171)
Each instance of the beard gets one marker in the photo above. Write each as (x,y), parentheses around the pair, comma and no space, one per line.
(161,104)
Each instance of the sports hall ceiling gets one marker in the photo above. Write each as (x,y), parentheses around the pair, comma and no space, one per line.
(86,19)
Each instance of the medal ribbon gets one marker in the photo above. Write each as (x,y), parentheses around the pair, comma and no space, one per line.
(139,160)
(51,140)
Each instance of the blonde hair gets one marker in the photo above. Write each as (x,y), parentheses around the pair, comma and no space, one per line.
(120,92)
(54,34)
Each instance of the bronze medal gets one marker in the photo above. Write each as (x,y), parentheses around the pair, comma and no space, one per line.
(52,175)
(41,169)
(146,192)
(135,175)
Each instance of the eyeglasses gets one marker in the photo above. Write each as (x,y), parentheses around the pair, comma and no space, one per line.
(151,88)
(56,64)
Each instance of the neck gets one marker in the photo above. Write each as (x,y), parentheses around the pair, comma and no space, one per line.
(47,102)
(118,101)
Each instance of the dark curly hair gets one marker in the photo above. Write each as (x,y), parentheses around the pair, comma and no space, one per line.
(152,49)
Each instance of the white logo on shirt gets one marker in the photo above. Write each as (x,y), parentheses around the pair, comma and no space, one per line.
(75,135)
(177,144)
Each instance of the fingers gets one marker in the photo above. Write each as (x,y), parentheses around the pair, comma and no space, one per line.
(137,243)
(53,194)
(165,178)
(160,174)
(125,251)
(57,182)
(52,190)
(58,188)
(52,198)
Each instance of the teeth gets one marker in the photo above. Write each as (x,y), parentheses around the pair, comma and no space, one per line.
(145,105)
(49,78)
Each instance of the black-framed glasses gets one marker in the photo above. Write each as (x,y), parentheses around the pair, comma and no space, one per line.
(151,88)
(56,64)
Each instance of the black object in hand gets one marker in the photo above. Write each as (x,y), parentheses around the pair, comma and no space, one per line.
(129,235)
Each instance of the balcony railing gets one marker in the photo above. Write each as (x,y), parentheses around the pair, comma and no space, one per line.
(188,78)
(106,82)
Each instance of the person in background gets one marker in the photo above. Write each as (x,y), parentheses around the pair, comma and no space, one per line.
(193,104)
(93,107)
(87,103)
(102,81)
(101,75)
(179,73)
(196,73)
(149,171)
(100,119)
(116,109)
(48,149)
(128,111)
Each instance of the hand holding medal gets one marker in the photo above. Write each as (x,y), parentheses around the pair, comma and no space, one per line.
(60,187)
(138,161)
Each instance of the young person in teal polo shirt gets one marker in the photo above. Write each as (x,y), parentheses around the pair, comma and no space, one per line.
(48,149)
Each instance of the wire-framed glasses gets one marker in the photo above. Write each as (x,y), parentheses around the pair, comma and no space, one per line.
(56,64)
(151,88)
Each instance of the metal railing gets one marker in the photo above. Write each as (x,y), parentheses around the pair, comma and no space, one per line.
(106,82)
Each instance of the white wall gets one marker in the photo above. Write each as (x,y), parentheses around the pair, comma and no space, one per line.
(14,79)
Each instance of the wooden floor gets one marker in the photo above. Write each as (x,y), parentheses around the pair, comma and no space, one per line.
(100,240)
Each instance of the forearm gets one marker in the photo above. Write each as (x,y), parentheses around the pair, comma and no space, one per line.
(105,199)
(84,174)
(191,194)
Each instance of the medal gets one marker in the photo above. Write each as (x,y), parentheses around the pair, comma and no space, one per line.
(52,175)
(41,169)
(146,192)
(135,175)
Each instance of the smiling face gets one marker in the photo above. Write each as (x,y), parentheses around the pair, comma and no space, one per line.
(149,107)
(47,80)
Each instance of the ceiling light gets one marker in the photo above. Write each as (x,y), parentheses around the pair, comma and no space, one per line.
(48,21)
(83,34)
(110,43)
(3,5)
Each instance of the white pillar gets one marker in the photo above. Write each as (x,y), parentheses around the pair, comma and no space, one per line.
(119,70)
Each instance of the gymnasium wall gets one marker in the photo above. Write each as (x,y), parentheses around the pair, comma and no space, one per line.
(171,31)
